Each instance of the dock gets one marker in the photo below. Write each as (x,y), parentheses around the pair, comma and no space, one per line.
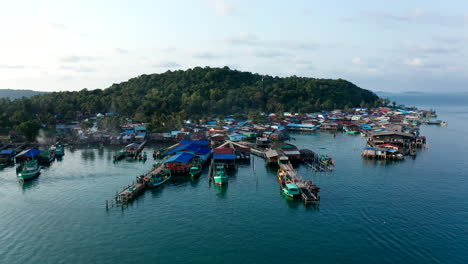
(133,190)
(309,191)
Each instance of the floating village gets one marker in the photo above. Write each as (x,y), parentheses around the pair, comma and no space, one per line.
(216,147)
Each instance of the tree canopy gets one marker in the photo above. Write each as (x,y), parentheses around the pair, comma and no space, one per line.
(193,93)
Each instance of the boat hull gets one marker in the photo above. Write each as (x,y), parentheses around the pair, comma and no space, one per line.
(220,180)
(24,176)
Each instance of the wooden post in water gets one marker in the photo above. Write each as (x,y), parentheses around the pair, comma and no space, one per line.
(107,204)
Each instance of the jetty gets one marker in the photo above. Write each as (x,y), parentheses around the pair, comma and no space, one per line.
(317,162)
(309,191)
(133,190)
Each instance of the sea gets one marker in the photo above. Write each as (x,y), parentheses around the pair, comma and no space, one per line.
(413,211)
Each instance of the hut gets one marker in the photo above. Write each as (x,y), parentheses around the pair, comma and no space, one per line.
(272,156)
(225,155)
(7,156)
(291,151)
(179,163)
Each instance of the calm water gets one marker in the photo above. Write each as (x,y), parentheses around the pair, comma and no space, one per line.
(414,211)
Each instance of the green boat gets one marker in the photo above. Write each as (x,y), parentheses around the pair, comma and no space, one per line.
(59,151)
(159,178)
(195,171)
(220,177)
(28,170)
(290,190)
(196,168)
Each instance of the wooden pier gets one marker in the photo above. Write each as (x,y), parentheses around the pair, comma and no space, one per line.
(132,191)
(309,191)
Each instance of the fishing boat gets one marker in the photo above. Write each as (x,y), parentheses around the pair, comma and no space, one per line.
(290,189)
(434,122)
(443,123)
(59,151)
(195,171)
(352,132)
(220,177)
(159,178)
(28,170)
(363,134)
(120,155)
(46,157)
(196,168)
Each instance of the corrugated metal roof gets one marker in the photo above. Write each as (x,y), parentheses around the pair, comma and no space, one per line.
(224,156)
(182,158)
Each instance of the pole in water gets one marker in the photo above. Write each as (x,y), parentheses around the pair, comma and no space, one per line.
(107,204)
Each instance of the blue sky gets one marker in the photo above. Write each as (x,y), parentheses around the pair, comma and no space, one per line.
(379,45)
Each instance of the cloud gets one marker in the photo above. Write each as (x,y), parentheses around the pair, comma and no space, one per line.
(268,53)
(223,8)
(77,59)
(12,67)
(415,62)
(249,39)
(364,66)
(58,26)
(357,61)
(17,67)
(121,51)
(77,68)
(169,49)
(243,39)
(167,64)
(206,55)
(415,16)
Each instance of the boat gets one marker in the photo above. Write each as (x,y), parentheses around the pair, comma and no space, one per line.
(159,178)
(7,157)
(352,132)
(363,134)
(59,150)
(434,122)
(28,170)
(120,155)
(196,168)
(46,157)
(220,177)
(195,171)
(443,123)
(290,189)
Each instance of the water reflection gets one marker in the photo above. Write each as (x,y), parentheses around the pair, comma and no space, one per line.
(221,190)
(88,154)
(29,184)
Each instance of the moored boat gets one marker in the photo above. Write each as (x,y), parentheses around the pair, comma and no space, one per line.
(290,189)
(220,177)
(59,151)
(28,170)
(159,178)
(195,171)
(46,157)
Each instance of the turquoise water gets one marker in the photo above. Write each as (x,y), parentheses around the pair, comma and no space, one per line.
(414,211)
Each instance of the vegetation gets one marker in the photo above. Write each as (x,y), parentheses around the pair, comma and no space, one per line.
(164,100)
(15,94)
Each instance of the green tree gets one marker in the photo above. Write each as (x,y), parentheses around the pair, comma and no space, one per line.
(30,129)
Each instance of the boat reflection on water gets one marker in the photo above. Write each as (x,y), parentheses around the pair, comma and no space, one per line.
(29,184)
(221,190)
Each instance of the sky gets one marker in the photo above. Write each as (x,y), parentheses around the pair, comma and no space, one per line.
(391,46)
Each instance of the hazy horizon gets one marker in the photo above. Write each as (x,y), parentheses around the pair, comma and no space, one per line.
(406,46)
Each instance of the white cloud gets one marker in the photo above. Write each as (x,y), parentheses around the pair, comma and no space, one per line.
(357,61)
(223,8)
(167,64)
(415,62)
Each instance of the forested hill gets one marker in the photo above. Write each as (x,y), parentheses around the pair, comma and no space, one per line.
(194,93)
(15,94)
